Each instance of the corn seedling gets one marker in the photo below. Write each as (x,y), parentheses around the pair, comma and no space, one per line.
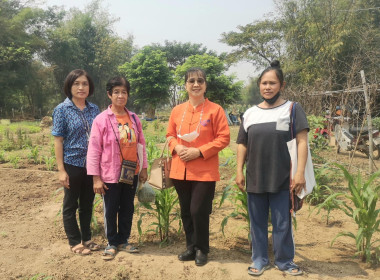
(14,160)
(98,200)
(240,200)
(34,153)
(165,201)
(49,163)
(364,197)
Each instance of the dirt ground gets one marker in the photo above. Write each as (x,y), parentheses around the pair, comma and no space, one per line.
(32,240)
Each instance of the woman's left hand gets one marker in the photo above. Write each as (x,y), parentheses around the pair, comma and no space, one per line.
(143,175)
(299,182)
(188,154)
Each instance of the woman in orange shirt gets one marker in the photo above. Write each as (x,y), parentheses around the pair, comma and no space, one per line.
(197,130)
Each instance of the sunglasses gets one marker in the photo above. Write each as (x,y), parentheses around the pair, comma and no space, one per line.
(199,81)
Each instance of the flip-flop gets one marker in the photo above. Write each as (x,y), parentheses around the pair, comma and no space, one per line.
(291,272)
(294,273)
(80,250)
(108,254)
(259,271)
(128,248)
(91,245)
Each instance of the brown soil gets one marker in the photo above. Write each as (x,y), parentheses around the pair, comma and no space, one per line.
(32,240)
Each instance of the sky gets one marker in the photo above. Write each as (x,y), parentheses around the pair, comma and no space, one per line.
(196,21)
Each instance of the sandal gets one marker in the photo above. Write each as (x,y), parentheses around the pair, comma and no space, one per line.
(108,254)
(294,273)
(128,248)
(259,271)
(81,250)
(91,245)
(291,272)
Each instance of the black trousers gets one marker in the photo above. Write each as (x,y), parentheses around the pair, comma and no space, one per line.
(118,205)
(80,196)
(195,199)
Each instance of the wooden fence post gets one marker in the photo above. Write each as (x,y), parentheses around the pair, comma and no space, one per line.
(369,120)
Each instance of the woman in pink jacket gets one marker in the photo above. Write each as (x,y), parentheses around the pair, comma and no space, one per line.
(117,160)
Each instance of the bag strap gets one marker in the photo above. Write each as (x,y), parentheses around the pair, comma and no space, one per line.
(117,139)
(138,136)
(292,112)
(166,145)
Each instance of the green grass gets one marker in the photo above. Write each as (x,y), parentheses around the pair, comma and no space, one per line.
(28,126)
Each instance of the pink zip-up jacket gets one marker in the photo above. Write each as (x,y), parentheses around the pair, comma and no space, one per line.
(103,155)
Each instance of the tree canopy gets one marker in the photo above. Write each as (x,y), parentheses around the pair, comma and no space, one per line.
(221,88)
(150,78)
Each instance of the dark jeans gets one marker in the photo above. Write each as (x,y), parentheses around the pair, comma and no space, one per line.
(80,196)
(195,199)
(118,211)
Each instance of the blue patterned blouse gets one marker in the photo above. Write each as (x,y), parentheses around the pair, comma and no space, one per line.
(74,125)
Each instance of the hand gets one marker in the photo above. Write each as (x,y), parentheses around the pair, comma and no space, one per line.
(63,178)
(179,148)
(143,175)
(188,154)
(240,180)
(298,183)
(99,186)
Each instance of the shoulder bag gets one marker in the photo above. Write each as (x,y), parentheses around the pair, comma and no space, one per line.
(159,173)
(297,200)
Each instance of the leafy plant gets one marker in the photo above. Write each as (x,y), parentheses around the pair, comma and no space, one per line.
(319,195)
(165,202)
(156,124)
(14,160)
(317,140)
(33,154)
(49,162)
(98,200)
(364,197)
(144,124)
(240,200)
(2,156)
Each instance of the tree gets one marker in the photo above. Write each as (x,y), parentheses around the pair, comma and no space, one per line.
(259,42)
(21,43)
(85,40)
(221,88)
(150,79)
(176,54)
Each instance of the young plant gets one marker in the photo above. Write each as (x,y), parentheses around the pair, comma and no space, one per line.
(165,202)
(2,156)
(98,200)
(364,197)
(240,200)
(49,163)
(14,160)
(33,154)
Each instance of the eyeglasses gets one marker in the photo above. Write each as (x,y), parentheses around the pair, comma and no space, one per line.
(199,81)
(123,92)
(78,84)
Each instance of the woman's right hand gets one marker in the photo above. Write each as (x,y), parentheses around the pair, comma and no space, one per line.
(240,180)
(63,178)
(99,186)
(179,148)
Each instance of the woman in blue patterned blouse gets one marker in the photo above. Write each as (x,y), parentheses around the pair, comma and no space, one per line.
(72,120)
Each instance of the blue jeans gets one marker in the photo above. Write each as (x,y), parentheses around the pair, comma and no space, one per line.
(118,205)
(283,243)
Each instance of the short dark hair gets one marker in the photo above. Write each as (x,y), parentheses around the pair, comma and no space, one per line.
(116,82)
(197,70)
(275,66)
(70,79)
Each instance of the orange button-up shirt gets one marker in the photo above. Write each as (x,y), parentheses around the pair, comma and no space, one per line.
(214,136)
